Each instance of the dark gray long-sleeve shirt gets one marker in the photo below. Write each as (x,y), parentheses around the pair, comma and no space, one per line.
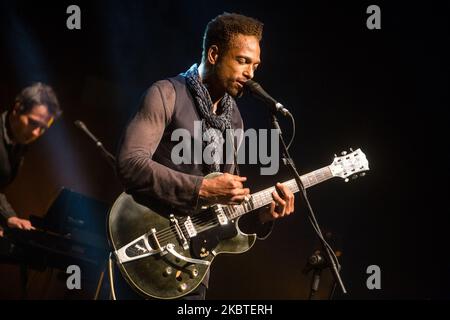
(138,169)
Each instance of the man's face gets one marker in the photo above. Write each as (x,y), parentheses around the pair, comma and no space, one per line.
(238,64)
(27,127)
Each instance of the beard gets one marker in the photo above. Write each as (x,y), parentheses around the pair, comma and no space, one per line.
(235,90)
(240,93)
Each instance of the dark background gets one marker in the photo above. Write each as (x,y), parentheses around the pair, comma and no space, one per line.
(385,91)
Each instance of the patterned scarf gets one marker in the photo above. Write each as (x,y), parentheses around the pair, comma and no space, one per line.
(219,123)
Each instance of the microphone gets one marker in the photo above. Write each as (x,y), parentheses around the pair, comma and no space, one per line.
(82,126)
(261,94)
(111,159)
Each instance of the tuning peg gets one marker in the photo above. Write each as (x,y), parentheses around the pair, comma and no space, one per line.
(346,180)
(344,153)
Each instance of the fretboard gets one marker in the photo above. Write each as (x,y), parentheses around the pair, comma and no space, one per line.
(264,197)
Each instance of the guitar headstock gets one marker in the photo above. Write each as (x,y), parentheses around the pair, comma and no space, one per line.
(350,164)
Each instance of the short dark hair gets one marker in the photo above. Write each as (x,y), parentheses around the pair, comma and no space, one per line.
(38,94)
(221,30)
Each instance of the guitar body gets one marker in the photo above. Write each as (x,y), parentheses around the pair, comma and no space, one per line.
(166,276)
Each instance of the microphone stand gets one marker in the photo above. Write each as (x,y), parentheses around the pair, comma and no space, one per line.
(112,162)
(316,263)
(287,160)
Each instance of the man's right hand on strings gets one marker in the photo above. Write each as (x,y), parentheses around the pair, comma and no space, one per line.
(224,189)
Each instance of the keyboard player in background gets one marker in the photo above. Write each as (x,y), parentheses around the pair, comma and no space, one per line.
(31,115)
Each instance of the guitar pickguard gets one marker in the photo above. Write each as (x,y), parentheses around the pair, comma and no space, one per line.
(205,242)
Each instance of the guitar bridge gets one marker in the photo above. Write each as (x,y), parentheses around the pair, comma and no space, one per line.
(152,233)
(181,238)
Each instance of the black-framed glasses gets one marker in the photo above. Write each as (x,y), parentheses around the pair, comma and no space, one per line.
(38,124)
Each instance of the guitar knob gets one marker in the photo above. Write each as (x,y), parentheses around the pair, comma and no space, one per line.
(351,149)
(346,180)
(182,287)
(362,174)
(355,177)
(203,252)
(344,153)
(167,272)
(193,273)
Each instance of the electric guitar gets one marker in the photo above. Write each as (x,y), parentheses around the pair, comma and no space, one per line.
(167,258)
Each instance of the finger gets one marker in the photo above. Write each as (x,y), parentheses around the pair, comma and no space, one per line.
(281,208)
(27,225)
(273,213)
(288,196)
(284,191)
(241,195)
(278,199)
(292,198)
(237,184)
(238,178)
(238,199)
(240,192)
(282,188)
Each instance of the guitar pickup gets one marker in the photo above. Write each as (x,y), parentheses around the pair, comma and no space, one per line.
(221,216)
(223,220)
(192,232)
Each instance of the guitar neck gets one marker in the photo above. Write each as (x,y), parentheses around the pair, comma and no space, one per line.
(264,197)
